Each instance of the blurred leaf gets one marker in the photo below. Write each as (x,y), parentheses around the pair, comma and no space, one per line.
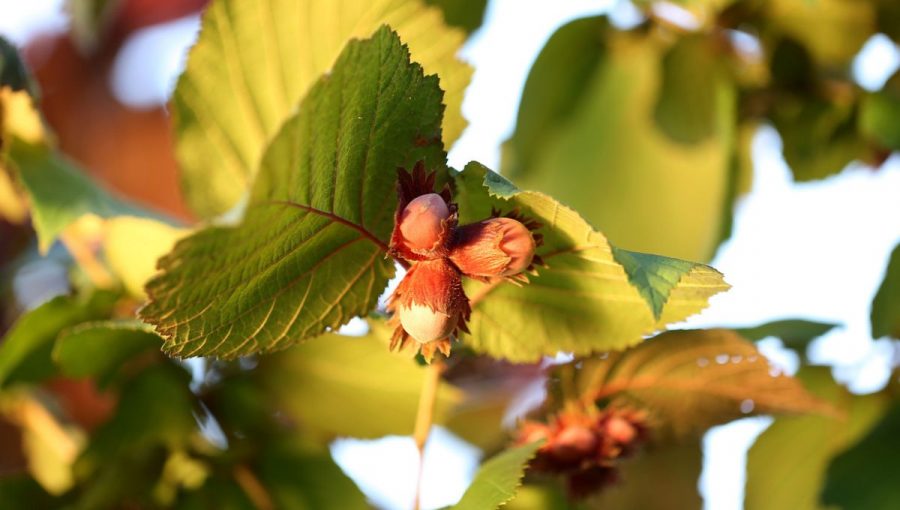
(25,350)
(309,254)
(465,14)
(888,18)
(672,470)
(89,20)
(795,334)
(13,72)
(879,116)
(832,30)
(132,247)
(496,481)
(329,384)
(819,137)
(740,175)
(686,108)
(250,67)
(586,135)
(98,349)
(886,305)
(787,463)
(13,208)
(694,379)
(22,492)
(48,445)
(865,476)
(299,478)
(220,493)
(584,301)
(558,79)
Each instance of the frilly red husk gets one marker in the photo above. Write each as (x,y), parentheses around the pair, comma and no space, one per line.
(585,447)
(433,280)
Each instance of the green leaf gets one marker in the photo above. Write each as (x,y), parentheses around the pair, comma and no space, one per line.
(586,134)
(672,470)
(787,463)
(22,492)
(795,334)
(693,379)
(132,247)
(298,477)
(98,349)
(833,30)
(886,305)
(686,108)
(465,14)
(584,301)
(253,63)
(310,253)
(819,137)
(13,72)
(25,350)
(879,115)
(329,383)
(865,476)
(654,276)
(496,481)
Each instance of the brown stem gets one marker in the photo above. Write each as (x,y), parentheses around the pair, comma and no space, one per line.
(253,488)
(425,415)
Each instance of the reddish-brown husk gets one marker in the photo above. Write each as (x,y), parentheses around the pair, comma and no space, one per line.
(492,248)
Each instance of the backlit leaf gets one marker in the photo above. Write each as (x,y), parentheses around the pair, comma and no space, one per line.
(787,463)
(98,349)
(587,135)
(310,252)
(585,300)
(254,62)
(132,247)
(795,334)
(328,383)
(693,379)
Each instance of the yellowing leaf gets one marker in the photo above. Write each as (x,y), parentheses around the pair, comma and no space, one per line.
(254,61)
(694,379)
(133,245)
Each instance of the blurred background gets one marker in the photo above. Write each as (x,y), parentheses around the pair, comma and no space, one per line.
(777,171)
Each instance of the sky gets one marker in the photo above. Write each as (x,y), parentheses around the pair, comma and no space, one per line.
(815,250)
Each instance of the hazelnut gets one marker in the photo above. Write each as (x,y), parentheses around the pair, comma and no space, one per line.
(422,221)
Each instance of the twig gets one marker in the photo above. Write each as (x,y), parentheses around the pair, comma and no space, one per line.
(253,488)
(424,417)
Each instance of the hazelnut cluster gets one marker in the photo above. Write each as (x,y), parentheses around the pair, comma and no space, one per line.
(585,447)
(429,305)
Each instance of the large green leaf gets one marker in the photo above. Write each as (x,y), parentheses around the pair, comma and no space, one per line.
(99,349)
(690,380)
(587,135)
(255,60)
(25,350)
(349,386)
(787,463)
(587,299)
(310,253)
(886,305)
(865,476)
(496,481)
